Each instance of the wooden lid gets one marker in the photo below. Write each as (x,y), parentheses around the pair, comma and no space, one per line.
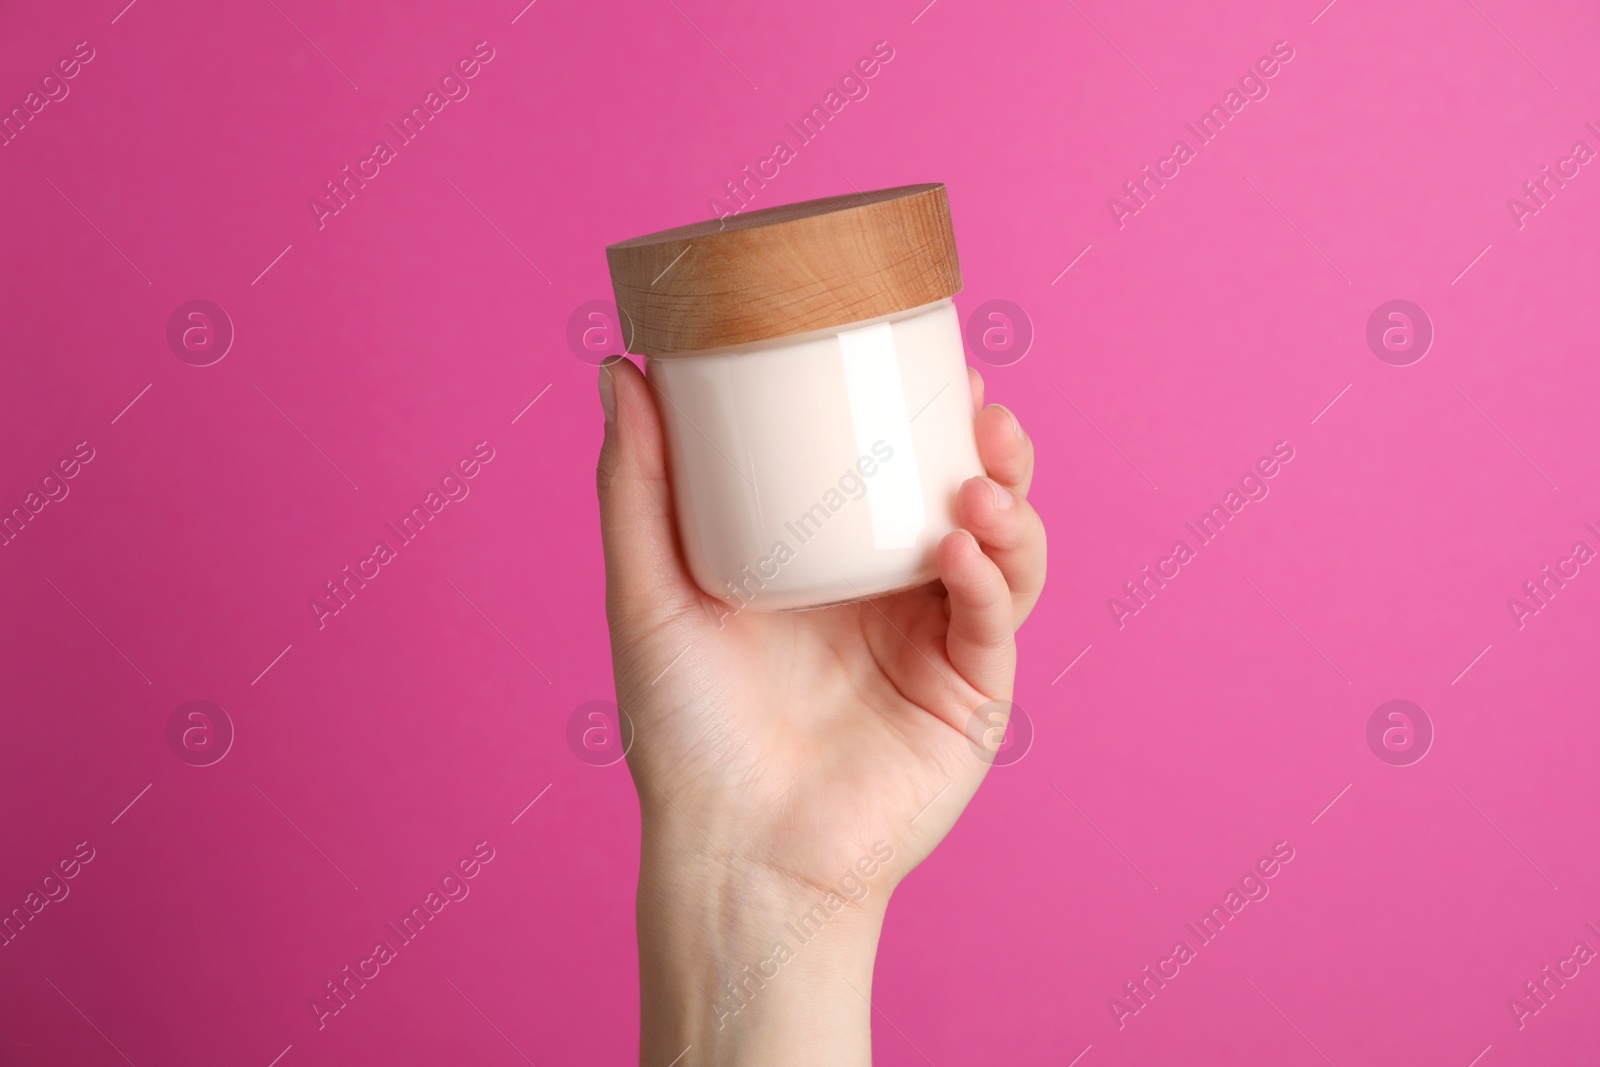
(785,270)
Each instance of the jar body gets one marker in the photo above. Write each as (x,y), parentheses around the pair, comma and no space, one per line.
(820,467)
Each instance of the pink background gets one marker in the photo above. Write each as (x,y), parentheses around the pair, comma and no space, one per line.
(1224,717)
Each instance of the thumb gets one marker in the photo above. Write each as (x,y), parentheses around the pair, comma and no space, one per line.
(645,577)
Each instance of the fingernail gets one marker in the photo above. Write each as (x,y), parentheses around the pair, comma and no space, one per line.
(608,393)
(1016,427)
(1002,495)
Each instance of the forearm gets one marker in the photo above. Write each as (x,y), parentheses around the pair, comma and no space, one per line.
(738,965)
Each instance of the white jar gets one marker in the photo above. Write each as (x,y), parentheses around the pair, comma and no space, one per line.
(821,465)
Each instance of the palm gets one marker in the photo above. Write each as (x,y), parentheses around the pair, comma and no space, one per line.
(829,729)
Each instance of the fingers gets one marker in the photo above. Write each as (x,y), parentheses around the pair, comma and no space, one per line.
(1006,451)
(1011,533)
(996,510)
(978,642)
(975,383)
(643,569)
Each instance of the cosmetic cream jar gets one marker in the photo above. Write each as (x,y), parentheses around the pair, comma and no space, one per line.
(807,364)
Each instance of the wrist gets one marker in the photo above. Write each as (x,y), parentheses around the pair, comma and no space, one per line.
(747,964)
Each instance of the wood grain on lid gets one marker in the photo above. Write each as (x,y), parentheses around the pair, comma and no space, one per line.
(785,270)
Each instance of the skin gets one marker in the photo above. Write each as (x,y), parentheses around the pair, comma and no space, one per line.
(777,754)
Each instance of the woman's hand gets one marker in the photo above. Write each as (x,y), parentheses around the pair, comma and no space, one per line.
(793,767)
